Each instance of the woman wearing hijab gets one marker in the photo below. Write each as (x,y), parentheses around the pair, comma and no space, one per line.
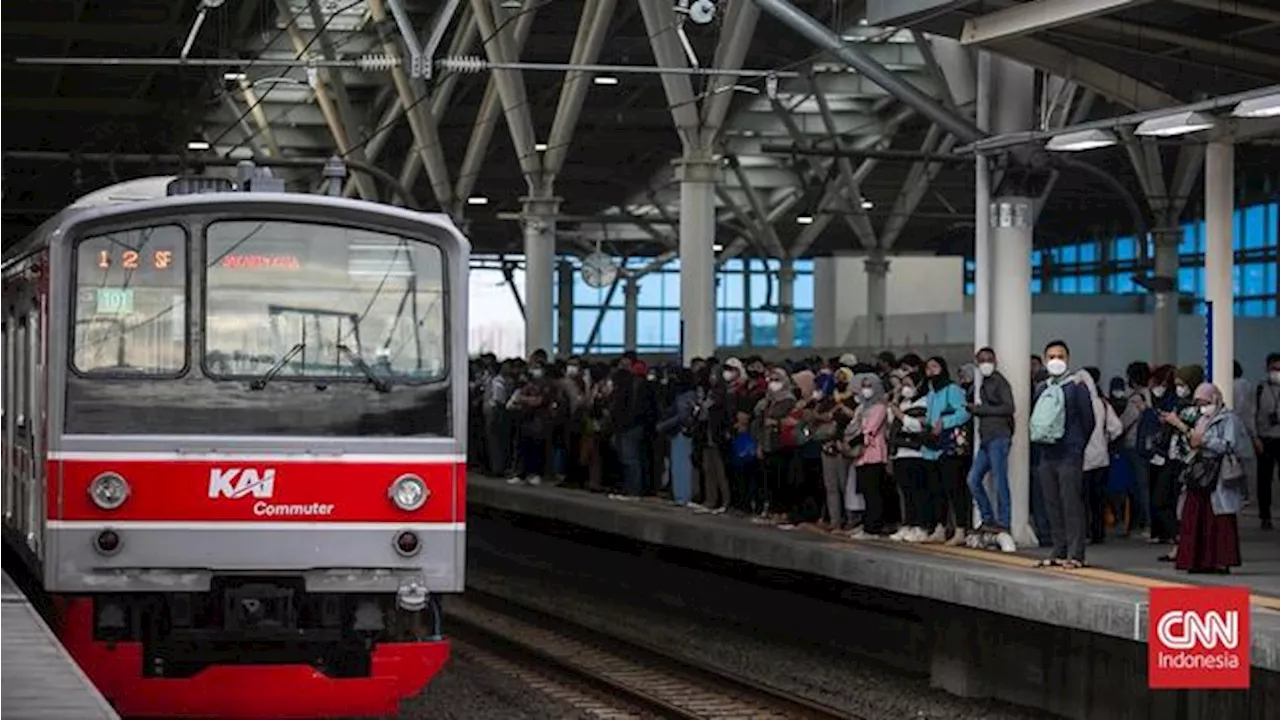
(1209,538)
(946,412)
(1167,465)
(805,492)
(874,482)
(678,425)
(778,402)
(1162,477)
(909,467)
(831,415)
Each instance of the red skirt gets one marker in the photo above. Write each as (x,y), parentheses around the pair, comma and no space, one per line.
(1206,542)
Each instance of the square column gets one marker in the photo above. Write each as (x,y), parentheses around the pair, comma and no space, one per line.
(630,313)
(787,304)
(539,220)
(1219,263)
(698,175)
(564,310)
(877,268)
(1165,327)
(1011,236)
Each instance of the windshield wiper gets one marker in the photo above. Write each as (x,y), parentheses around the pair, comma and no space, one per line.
(261,382)
(380,384)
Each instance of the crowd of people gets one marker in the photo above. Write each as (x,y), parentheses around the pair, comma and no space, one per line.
(901,448)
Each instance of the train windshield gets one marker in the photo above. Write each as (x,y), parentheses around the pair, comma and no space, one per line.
(130,309)
(287,301)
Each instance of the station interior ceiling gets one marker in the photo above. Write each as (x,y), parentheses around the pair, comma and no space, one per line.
(73,128)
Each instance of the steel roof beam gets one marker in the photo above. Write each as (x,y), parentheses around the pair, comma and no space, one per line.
(486,118)
(858,220)
(1030,17)
(499,47)
(592,29)
(766,231)
(731,50)
(917,183)
(1235,8)
(661,21)
(426,137)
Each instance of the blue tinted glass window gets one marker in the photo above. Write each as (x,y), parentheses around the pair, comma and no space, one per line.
(1122,284)
(804,329)
(649,293)
(1125,248)
(1089,252)
(583,321)
(1035,286)
(1035,258)
(969,288)
(1254,227)
(611,328)
(803,299)
(730,292)
(1088,284)
(1191,234)
(729,328)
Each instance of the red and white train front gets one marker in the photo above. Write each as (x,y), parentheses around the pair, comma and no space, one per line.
(255,470)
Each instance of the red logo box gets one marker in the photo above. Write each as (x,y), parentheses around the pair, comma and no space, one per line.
(1198,638)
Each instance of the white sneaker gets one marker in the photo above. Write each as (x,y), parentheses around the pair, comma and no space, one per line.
(514,481)
(1005,540)
(786,526)
(720,510)
(915,535)
(901,534)
(860,534)
(535,481)
(939,535)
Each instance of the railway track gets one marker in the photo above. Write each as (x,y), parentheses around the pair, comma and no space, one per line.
(641,676)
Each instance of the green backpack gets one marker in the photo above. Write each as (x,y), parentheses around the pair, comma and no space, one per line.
(1049,416)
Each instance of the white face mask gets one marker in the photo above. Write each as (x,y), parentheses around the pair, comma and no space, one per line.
(1056,367)
(867,393)
(572,371)
(1158,391)
(908,392)
(775,386)
(1182,390)
(817,394)
(987,369)
(1207,409)
(536,373)
(729,376)
(1119,395)
(1274,377)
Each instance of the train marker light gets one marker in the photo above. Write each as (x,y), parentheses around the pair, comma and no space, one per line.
(407,543)
(107,542)
(109,491)
(409,492)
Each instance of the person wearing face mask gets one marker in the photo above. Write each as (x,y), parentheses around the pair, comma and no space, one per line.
(908,438)
(1137,416)
(1061,423)
(533,405)
(951,508)
(831,415)
(1208,535)
(768,417)
(873,479)
(1267,415)
(994,411)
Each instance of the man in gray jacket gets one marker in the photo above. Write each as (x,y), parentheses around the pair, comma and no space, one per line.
(995,430)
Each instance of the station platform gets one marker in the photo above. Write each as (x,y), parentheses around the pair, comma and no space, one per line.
(1007,617)
(40,680)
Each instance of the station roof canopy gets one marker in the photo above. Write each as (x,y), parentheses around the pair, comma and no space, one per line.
(308,78)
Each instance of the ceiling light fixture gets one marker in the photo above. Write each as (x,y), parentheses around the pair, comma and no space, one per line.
(233,76)
(1259,107)
(540,147)
(198,145)
(717,247)
(1182,123)
(605,80)
(804,220)
(477,200)
(867,204)
(1080,141)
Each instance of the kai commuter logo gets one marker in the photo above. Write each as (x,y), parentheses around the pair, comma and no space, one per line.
(234,483)
(1198,638)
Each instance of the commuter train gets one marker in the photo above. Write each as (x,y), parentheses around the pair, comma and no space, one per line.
(234,438)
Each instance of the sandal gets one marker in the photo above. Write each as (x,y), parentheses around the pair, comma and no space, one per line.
(1049,562)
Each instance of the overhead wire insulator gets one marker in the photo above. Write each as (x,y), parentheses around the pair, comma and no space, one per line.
(377,62)
(470,64)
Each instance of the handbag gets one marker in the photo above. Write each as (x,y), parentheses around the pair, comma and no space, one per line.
(1232,467)
(1202,471)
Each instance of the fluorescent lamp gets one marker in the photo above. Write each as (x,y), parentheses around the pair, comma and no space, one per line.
(804,220)
(1259,107)
(605,80)
(1079,141)
(231,76)
(540,147)
(717,247)
(197,145)
(867,204)
(1173,125)
(477,200)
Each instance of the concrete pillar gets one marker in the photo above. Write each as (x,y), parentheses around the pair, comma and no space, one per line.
(1011,236)
(698,175)
(539,264)
(982,202)
(1165,326)
(787,304)
(824,303)
(877,269)
(630,313)
(1219,262)
(564,310)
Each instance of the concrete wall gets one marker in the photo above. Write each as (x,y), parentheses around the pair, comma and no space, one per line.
(1109,341)
(924,284)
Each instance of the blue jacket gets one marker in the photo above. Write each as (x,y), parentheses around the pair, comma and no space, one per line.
(937,402)
(1078,423)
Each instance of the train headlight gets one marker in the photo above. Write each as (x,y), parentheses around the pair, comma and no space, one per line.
(409,492)
(109,491)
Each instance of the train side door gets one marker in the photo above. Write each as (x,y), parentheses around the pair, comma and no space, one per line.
(24,413)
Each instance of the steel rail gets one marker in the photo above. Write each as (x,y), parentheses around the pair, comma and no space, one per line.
(712,679)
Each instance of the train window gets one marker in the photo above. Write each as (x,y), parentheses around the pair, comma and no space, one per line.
(130,302)
(309,300)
